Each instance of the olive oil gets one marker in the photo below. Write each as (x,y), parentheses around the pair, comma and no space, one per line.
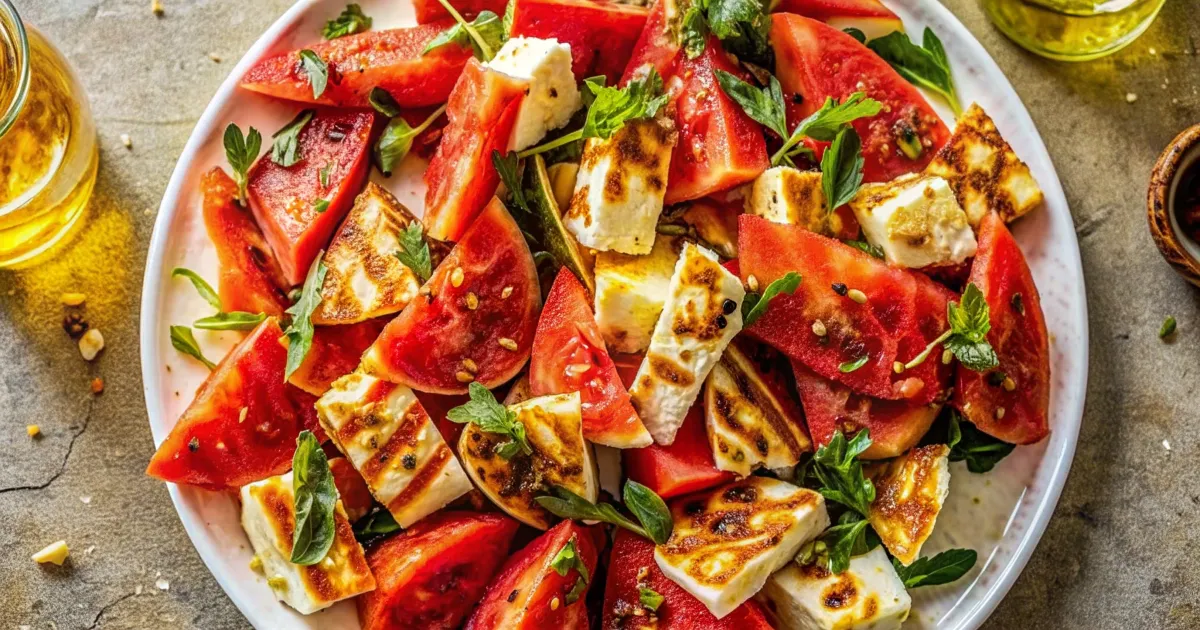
(48,151)
(1072,30)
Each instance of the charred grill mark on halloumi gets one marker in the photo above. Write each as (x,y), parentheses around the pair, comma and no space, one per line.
(868,595)
(727,541)
(391,441)
(268,516)
(751,423)
(984,171)
(364,277)
(909,493)
(554,428)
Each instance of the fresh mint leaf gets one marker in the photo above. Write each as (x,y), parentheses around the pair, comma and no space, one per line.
(317,71)
(969,325)
(241,152)
(840,474)
(300,333)
(183,341)
(755,306)
(285,151)
(611,108)
(237,320)
(925,66)
(843,540)
(764,105)
(743,27)
(650,510)
(382,101)
(943,568)
(315,496)
(826,124)
(567,504)
(850,366)
(396,141)
(508,166)
(202,287)
(485,34)
(414,251)
(649,598)
(351,20)
(842,168)
(492,417)
(863,246)
(979,450)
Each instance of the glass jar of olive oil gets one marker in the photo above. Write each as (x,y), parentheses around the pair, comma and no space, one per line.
(48,151)
(1072,30)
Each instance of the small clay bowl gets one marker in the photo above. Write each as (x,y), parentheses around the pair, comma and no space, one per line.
(1177,246)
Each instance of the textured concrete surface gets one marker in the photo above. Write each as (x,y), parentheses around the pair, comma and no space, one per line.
(1120,552)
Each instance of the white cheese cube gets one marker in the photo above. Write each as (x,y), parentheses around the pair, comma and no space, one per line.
(391,441)
(630,291)
(916,220)
(269,518)
(620,187)
(867,596)
(984,171)
(909,493)
(702,313)
(729,540)
(553,96)
(783,194)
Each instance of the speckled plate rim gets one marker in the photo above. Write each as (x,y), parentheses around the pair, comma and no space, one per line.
(1036,503)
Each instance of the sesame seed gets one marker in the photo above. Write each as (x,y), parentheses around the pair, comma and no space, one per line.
(472,301)
(506,292)
(470,365)
(818,328)
(947,356)
(752,283)
(215,57)
(897,367)
(242,414)
(554,604)
(857,296)
(73,299)
(464,377)
(999,413)
(456,277)
(508,344)
(1009,384)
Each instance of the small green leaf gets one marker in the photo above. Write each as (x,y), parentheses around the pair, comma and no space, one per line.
(842,168)
(1168,327)
(241,152)
(485,35)
(755,306)
(323,175)
(567,504)
(203,288)
(491,417)
(649,598)
(508,166)
(317,71)
(414,251)
(375,524)
(564,561)
(825,123)
(315,497)
(979,450)
(863,246)
(843,540)
(650,510)
(237,320)
(856,34)
(286,149)
(693,31)
(850,366)
(299,334)
(943,568)
(183,341)
(382,101)
(926,66)
(397,139)
(320,205)
(764,105)
(839,473)
(350,21)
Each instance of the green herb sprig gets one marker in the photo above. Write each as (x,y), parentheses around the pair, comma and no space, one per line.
(943,568)
(241,152)
(967,336)
(317,71)
(840,474)
(656,527)
(873,250)
(485,34)
(285,151)
(376,524)
(351,20)
(414,251)
(754,305)
(968,444)
(235,320)
(396,141)
(300,333)
(925,66)
(564,561)
(741,25)
(315,497)
(492,417)
(611,109)
(183,341)
(649,598)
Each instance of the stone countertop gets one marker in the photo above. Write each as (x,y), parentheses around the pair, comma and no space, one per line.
(1119,553)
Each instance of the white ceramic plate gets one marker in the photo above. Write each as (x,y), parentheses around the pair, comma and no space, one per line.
(1001,514)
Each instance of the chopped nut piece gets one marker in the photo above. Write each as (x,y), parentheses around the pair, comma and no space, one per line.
(472,301)
(818,328)
(464,377)
(752,283)
(74,325)
(554,604)
(33,430)
(74,299)
(91,343)
(470,365)
(126,141)
(162,584)
(242,414)
(56,553)
(508,344)
(999,413)
(897,367)
(506,292)
(156,7)
(215,57)
(1008,384)
(256,564)
(277,582)
(947,356)
(97,385)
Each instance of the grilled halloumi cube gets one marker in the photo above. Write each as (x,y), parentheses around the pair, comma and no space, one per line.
(783,194)
(909,493)
(552,97)
(391,441)
(751,420)
(702,313)
(715,225)
(630,292)
(269,518)
(984,171)
(620,187)
(364,279)
(916,220)
(867,596)
(561,457)
(729,540)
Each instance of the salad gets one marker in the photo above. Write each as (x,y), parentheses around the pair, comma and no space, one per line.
(704,298)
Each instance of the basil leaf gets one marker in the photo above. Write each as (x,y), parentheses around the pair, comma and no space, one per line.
(286,149)
(863,246)
(842,168)
(315,497)
(967,443)
(375,524)
(567,504)
(183,341)
(350,21)
(237,320)
(382,101)
(850,366)
(492,417)
(925,66)
(649,598)
(485,35)
(764,105)
(840,474)
(317,71)
(240,153)
(203,288)
(943,568)
(755,306)
(414,251)
(299,334)
(650,509)
(397,139)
